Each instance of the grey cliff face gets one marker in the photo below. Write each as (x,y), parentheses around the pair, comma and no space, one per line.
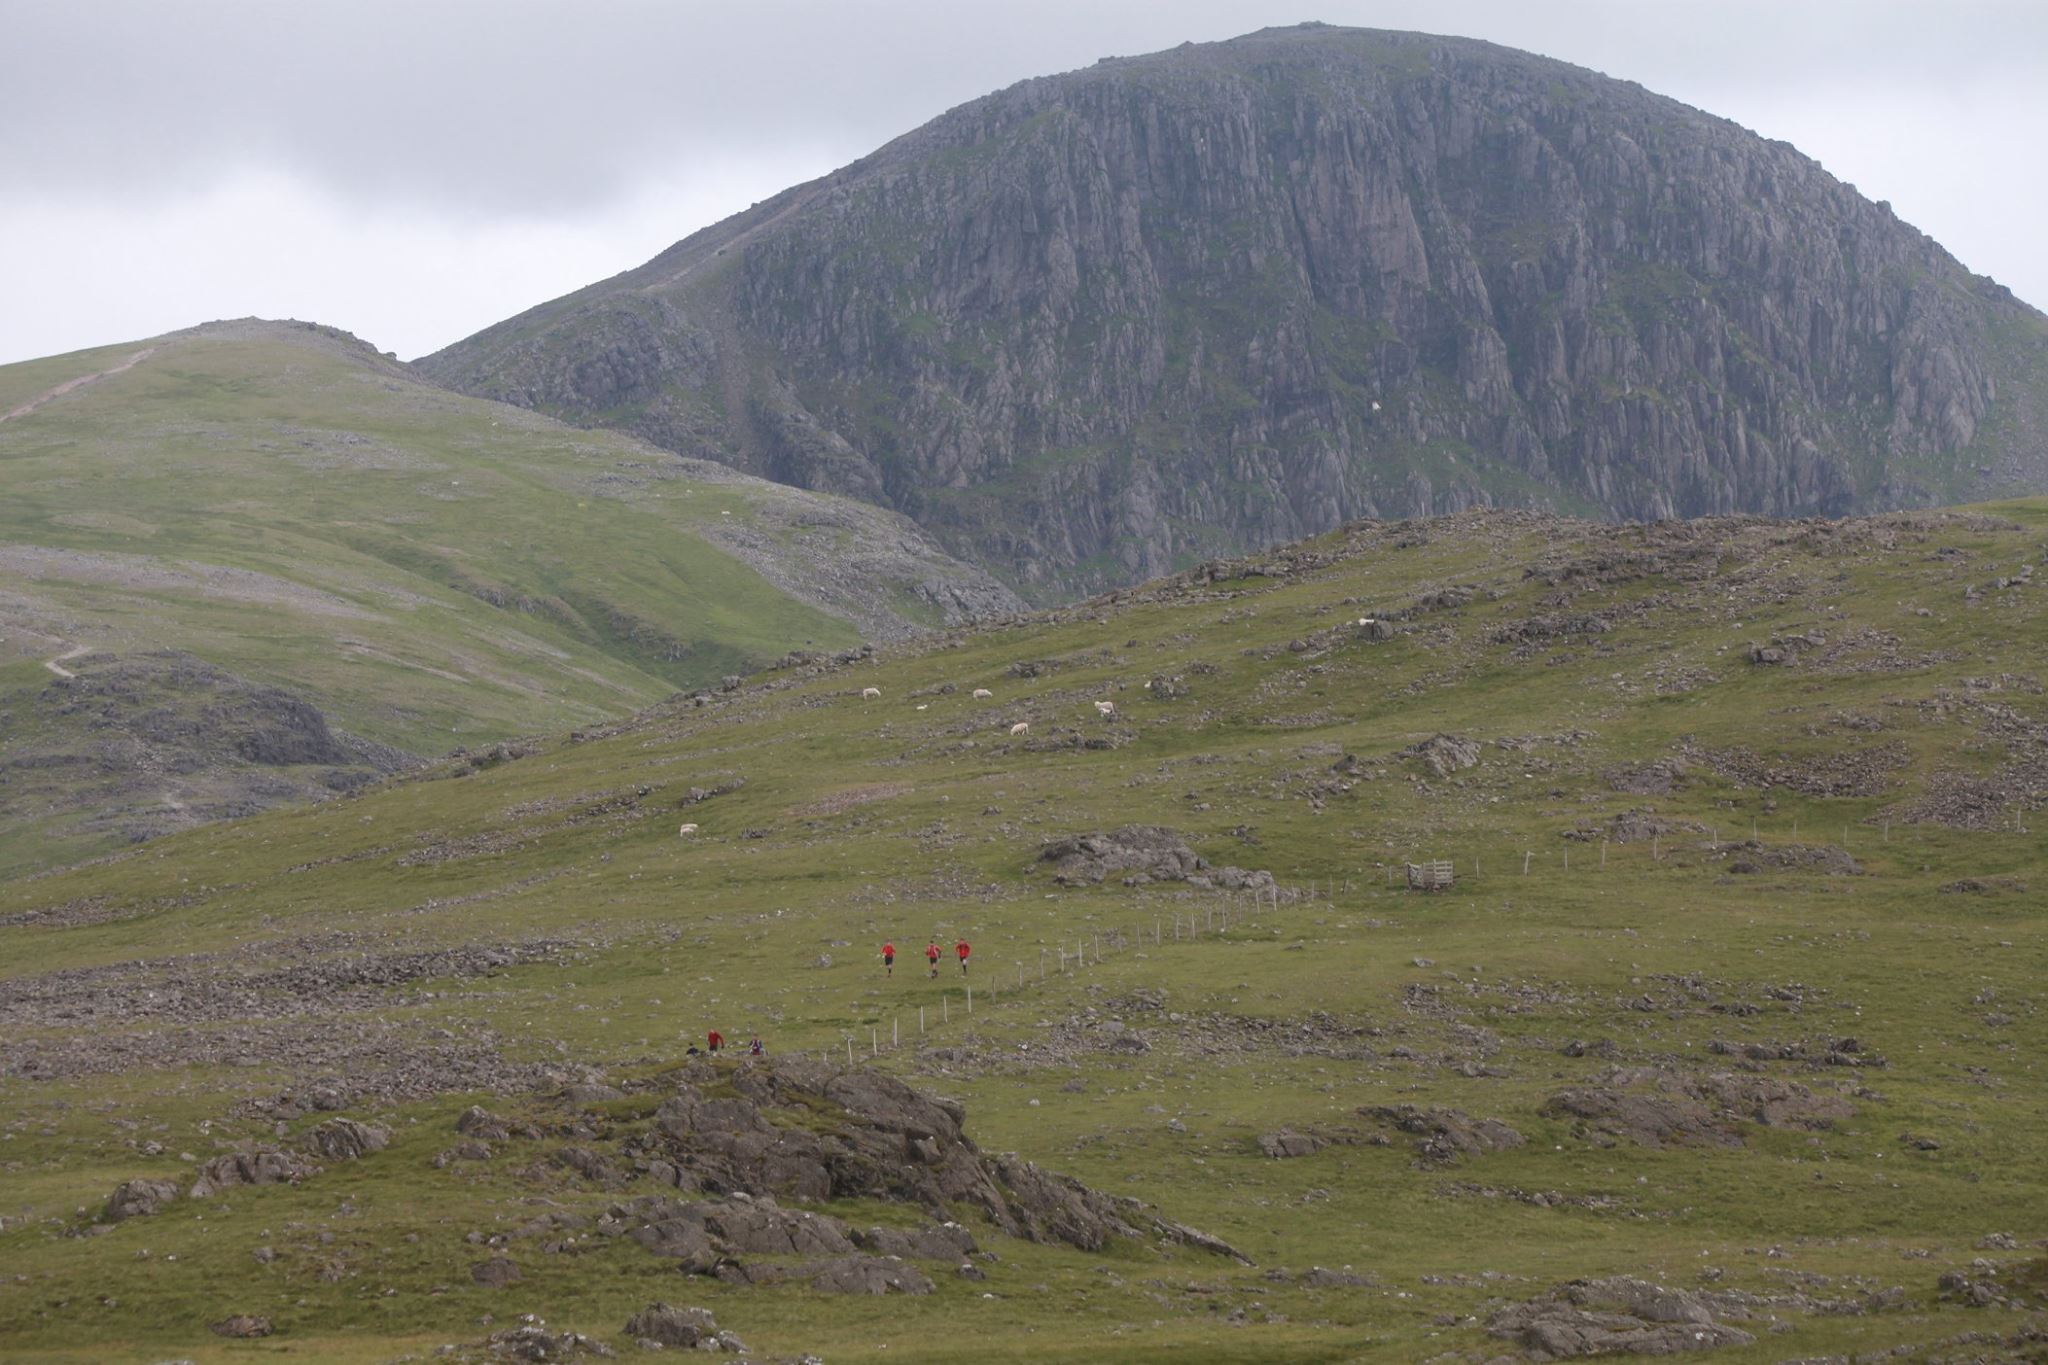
(1098,325)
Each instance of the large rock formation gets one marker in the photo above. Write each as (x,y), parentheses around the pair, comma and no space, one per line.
(799,1129)
(1097,325)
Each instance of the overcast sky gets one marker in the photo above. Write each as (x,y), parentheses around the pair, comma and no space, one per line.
(413,170)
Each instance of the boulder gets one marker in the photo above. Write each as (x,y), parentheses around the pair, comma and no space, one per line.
(136,1198)
(342,1139)
(1287,1143)
(478,1122)
(242,1325)
(669,1326)
(496,1273)
(250,1168)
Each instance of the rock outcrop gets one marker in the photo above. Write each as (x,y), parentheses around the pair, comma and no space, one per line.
(798,1129)
(1653,1107)
(1617,1316)
(1447,1135)
(1139,854)
(1098,325)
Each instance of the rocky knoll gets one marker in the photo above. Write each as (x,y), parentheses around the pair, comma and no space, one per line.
(800,1129)
(1098,325)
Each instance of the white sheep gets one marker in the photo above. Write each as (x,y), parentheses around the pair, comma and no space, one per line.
(870,693)
(921,706)
(982,694)
(1105,709)
(1022,727)
(687,830)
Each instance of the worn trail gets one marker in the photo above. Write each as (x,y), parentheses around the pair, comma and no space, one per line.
(72,385)
(56,665)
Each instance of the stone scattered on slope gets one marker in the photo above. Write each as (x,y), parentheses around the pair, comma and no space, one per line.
(669,1326)
(1444,754)
(530,1341)
(1616,1316)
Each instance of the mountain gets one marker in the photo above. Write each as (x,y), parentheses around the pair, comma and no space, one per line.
(254,562)
(1098,325)
(1727,1032)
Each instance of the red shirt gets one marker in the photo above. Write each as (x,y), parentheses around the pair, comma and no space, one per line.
(962,949)
(716,1039)
(888,950)
(931,950)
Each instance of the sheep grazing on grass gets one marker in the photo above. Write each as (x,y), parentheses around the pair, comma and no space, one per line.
(687,830)
(982,694)
(870,693)
(1022,727)
(1105,709)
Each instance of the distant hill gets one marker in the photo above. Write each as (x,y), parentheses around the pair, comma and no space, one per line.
(1099,325)
(279,564)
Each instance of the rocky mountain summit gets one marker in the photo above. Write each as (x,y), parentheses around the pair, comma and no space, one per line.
(1099,325)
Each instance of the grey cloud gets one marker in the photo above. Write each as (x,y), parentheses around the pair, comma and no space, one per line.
(524,107)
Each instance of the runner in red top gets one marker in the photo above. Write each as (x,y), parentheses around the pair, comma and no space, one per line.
(931,955)
(889,959)
(963,950)
(715,1039)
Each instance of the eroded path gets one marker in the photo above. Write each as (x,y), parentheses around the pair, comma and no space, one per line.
(56,665)
(71,385)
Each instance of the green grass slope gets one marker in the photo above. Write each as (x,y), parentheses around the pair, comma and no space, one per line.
(1741,804)
(429,570)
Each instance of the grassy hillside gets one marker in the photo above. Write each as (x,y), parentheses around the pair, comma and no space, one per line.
(1745,945)
(428,570)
